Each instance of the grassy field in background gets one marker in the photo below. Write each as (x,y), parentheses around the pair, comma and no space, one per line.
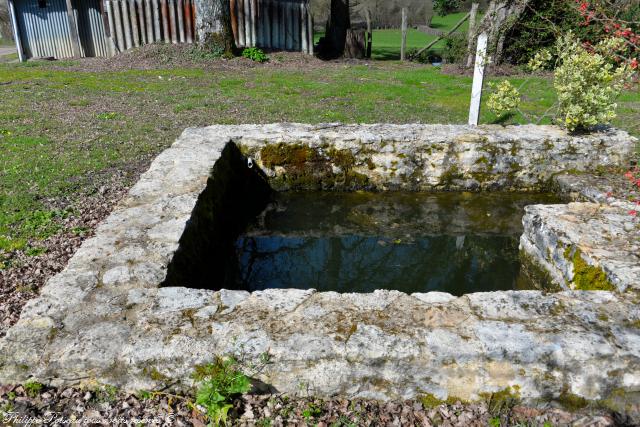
(62,132)
(386,43)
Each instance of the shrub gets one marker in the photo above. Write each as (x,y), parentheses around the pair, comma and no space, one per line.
(504,99)
(587,82)
(426,57)
(255,54)
(544,21)
(220,381)
(587,79)
(455,49)
(538,27)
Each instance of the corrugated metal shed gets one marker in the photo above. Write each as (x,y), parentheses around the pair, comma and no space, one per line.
(45,32)
(93,38)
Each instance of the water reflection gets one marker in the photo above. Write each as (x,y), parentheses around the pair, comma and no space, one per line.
(412,242)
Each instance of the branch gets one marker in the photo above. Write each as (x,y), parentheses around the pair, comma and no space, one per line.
(427,47)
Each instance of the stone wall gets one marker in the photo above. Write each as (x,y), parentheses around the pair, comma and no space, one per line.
(105,318)
(234,195)
(423,157)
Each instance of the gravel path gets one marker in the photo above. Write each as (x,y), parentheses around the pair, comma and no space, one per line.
(7,50)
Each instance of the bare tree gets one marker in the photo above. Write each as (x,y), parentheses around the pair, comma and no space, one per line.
(428,9)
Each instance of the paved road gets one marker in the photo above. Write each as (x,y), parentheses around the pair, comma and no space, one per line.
(4,50)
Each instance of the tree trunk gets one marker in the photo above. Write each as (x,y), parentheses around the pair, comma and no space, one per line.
(428,7)
(354,44)
(332,44)
(498,19)
(213,24)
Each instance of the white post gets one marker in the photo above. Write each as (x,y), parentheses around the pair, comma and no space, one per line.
(478,80)
(403,45)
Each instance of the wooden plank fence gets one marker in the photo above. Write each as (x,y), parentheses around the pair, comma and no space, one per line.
(269,24)
(135,23)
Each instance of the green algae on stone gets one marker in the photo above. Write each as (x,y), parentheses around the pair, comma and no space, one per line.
(623,402)
(450,175)
(342,158)
(587,277)
(429,401)
(283,154)
(505,398)
(572,402)
(537,275)
(370,165)
(155,375)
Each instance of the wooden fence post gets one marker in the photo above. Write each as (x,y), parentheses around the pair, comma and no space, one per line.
(403,46)
(367,15)
(478,79)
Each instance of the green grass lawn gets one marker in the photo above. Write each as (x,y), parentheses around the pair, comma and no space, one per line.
(386,43)
(63,131)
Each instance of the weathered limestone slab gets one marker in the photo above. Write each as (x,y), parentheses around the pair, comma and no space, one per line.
(421,157)
(596,238)
(106,318)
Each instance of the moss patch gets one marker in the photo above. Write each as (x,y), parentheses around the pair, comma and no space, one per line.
(450,175)
(587,277)
(428,400)
(572,402)
(308,168)
(344,159)
(536,274)
(502,399)
(287,154)
(155,375)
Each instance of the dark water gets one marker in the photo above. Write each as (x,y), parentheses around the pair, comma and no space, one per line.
(413,242)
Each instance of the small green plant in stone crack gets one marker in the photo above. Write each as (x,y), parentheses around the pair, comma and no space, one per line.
(264,422)
(255,54)
(219,382)
(144,394)
(106,393)
(311,411)
(33,388)
(343,421)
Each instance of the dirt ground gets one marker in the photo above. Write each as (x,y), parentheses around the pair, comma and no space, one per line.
(106,406)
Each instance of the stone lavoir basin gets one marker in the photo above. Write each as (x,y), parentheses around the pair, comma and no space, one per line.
(455,242)
(334,249)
